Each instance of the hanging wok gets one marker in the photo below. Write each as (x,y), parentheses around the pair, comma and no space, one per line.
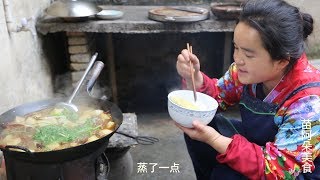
(98,146)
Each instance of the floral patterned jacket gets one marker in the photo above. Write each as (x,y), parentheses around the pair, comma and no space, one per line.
(297,142)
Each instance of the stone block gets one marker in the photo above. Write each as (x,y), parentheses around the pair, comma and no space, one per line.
(76,34)
(76,75)
(79,49)
(77,40)
(128,126)
(78,66)
(80,58)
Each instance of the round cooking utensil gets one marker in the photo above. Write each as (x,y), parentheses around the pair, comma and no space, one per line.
(72,9)
(17,154)
(68,104)
(178,14)
(226,10)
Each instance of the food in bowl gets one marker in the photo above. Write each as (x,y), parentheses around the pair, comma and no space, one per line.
(184,110)
(186,103)
(57,128)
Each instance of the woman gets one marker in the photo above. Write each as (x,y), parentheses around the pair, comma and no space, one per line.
(278,93)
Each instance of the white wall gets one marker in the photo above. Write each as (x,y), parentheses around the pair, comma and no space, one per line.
(311,7)
(24,71)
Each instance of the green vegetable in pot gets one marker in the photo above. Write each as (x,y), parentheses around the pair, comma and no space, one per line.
(58,134)
(69,114)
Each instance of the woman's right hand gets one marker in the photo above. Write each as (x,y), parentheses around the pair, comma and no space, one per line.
(183,68)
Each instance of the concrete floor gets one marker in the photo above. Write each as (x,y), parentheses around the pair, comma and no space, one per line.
(169,150)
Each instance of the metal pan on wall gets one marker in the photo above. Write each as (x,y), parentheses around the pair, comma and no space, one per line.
(98,146)
(178,14)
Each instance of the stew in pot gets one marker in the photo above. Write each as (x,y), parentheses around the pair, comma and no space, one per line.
(57,128)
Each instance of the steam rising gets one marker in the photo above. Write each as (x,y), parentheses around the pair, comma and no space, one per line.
(64,87)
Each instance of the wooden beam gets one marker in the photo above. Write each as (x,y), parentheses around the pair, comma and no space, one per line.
(227,54)
(111,67)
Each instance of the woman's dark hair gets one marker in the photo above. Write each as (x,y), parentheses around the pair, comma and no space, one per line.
(282,27)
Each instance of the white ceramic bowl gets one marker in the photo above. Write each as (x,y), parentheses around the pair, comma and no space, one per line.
(207,108)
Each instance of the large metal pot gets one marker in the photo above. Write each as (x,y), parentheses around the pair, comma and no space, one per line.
(72,10)
(68,154)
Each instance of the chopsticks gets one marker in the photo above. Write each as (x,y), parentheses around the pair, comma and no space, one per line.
(189,48)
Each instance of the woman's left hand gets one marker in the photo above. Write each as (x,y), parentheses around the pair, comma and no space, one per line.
(200,132)
(207,134)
